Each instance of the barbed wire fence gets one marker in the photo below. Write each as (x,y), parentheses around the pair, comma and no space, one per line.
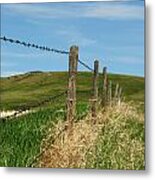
(31,45)
(103,94)
(43,48)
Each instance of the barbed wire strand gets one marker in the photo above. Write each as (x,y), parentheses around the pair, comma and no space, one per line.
(85,65)
(44,48)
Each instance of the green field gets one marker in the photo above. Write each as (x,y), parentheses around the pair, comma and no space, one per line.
(20,138)
(32,87)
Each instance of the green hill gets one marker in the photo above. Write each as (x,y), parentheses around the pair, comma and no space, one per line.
(27,89)
(21,137)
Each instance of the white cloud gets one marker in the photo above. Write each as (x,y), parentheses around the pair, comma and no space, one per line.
(107,10)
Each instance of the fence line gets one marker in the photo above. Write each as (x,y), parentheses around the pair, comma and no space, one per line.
(85,65)
(71,99)
(44,48)
(108,97)
(23,43)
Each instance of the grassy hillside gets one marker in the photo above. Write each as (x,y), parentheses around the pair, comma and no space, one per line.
(29,88)
(21,137)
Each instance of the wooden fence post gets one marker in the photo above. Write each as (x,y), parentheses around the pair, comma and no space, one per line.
(104,87)
(116,94)
(110,93)
(71,99)
(119,96)
(95,91)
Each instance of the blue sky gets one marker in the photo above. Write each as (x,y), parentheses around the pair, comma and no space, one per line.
(112,32)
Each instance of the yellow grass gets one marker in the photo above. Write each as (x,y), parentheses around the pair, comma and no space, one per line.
(73,147)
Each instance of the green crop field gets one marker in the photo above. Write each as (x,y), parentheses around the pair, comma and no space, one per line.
(21,137)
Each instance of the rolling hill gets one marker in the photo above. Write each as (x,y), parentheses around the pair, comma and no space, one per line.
(26,89)
(21,137)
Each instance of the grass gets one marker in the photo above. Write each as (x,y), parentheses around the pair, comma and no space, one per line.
(21,138)
(26,89)
(120,144)
(116,141)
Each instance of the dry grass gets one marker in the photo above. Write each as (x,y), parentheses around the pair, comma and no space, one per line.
(120,144)
(70,148)
(79,147)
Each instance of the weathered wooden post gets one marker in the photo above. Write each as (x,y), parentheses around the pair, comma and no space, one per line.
(119,96)
(71,99)
(95,91)
(104,86)
(116,93)
(110,93)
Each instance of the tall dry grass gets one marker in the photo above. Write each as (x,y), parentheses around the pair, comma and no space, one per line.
(120,145)
(111,143)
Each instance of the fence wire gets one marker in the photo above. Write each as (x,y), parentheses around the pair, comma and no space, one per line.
(23,43)
(85,65)
(44,48)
